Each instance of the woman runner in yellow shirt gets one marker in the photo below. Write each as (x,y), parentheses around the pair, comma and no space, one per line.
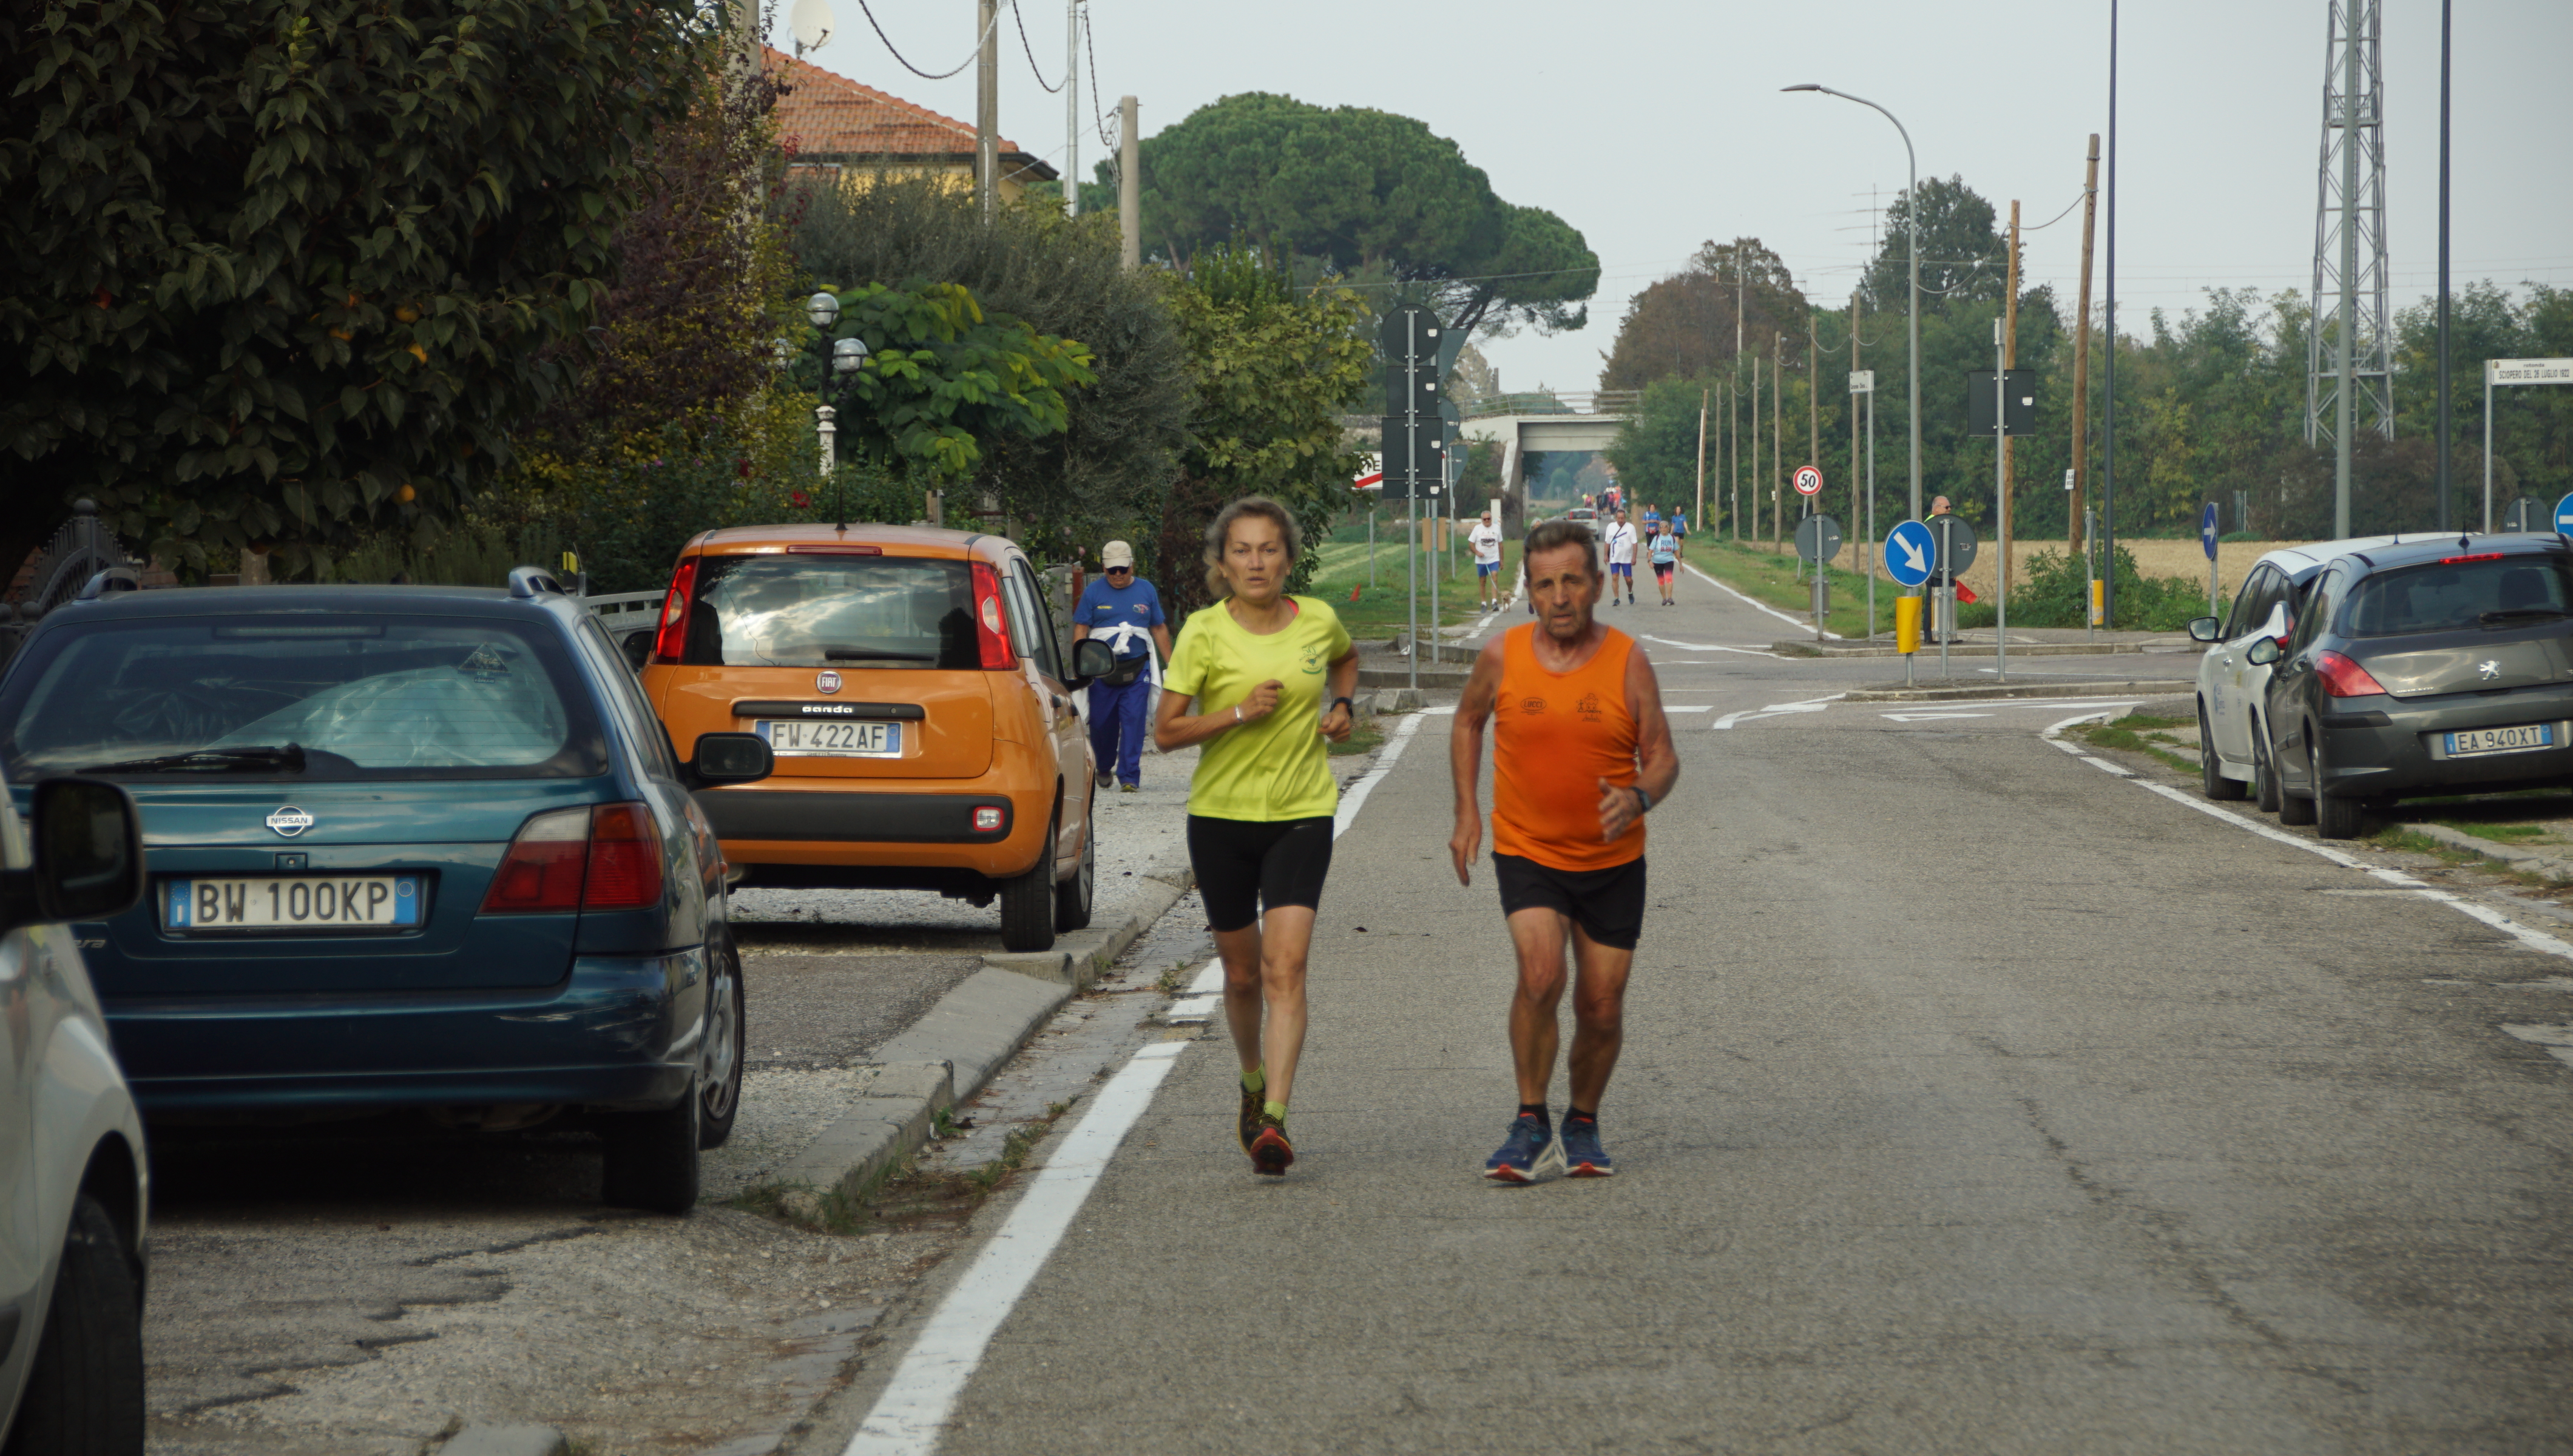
(1249,680)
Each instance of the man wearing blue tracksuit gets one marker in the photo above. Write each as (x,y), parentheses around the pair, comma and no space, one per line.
(1123,610)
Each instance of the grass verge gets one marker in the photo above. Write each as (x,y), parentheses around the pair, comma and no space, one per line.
(1770,578)
(1381,609)
(2143,733)
(1364,738)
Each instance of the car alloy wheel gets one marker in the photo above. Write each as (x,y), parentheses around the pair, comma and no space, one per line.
(2293,808)
(720,1074)
(85,1391)
(2209,767)
(1072,898)
(1027,901)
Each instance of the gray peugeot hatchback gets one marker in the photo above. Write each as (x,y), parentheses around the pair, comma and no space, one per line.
(2440,665)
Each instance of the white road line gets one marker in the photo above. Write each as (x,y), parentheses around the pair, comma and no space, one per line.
(2534,940)
(1713,647)
(1798,623)
(1929,718)
(1754,715)
(911,1414)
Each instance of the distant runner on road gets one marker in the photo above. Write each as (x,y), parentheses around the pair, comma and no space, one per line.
(1486,541)
(1261,678)
(1581,752)
(1665,553)
(1621,561)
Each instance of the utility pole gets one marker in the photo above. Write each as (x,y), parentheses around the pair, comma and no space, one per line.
(1777,436)
(2082,365)
(1733,432)
(1129,183)
(1813,397)
(1072,108)
(1755,449)
(2447,480)
(2009,361)
(1860,520)
(2108,343)
(2349,248)
(986,106)
(1702,397)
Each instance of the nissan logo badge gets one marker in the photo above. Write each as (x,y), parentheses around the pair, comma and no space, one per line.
(289,820)
(828,682)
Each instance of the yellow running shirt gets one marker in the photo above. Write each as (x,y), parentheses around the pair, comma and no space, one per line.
(1275,768)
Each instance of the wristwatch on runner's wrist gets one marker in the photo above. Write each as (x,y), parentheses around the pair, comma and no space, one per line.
(1643,800)
(1344,702)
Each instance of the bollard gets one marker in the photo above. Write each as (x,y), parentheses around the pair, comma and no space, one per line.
(1907,632)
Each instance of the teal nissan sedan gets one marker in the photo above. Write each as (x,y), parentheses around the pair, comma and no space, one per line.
(408,849)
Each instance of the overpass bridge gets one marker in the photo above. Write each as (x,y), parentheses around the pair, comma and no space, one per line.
(1528,426)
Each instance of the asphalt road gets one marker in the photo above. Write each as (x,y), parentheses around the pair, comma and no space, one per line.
(1973,1100)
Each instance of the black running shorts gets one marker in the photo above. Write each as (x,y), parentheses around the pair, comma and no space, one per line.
(1608,905)
(1244,864)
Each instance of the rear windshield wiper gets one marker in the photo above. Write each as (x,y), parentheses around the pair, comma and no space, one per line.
(210,760)
(874,654)
(2521,614)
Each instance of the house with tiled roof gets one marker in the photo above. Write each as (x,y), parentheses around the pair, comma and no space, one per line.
(836,127)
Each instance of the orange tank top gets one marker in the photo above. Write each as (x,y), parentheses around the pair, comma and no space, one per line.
(1555,735)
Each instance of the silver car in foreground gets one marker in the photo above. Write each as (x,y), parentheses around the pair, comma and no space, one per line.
(2231,687)
(71,1146)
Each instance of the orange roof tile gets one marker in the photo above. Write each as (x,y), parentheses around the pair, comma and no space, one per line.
(827,117)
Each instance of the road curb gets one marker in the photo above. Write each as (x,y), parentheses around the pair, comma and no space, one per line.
(2546,865)
(1966,692)
(1967,649)
(955,1049)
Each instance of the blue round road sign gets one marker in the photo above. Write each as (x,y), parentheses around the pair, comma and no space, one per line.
(1911,554)
(2206,529)
(2564,515)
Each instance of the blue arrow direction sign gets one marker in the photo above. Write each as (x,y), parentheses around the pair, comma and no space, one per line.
(2564,516)
(2206,529)
(1911,554)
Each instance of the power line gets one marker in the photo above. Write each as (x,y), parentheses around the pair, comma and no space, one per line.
(906,61)
(1018,15)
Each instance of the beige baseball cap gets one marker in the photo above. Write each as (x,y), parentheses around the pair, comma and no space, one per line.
(1116,553)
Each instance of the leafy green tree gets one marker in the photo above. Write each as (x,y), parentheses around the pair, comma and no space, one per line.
(1686,325)
(1656,450)
(941,376)
(1368,193)
(1963,259)
(1275,367)
(1110,464)
(288,270)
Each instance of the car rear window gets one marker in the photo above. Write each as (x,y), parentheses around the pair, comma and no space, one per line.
(353,695)
(2452,597)
(832,611)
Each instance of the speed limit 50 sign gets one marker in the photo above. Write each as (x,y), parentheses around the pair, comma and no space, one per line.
(1809,481)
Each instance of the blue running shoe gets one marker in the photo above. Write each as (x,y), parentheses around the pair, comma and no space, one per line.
(1579,1151)
(1530,1153)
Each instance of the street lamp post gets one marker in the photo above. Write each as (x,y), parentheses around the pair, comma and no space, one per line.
(1912,224)
(847,356)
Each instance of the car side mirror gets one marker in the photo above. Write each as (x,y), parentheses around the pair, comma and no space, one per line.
(2263,651)
(2203,629)
(1091,658)
(731,758)
(89,857)
(636,644)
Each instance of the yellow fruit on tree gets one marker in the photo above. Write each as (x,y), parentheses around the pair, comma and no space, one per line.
(405,495)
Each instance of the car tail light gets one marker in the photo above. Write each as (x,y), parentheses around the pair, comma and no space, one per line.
(2343,677)
(624,859)
(602,857)
(672,641)
(544,866)
(834,549)
(2478,556)
(991,626)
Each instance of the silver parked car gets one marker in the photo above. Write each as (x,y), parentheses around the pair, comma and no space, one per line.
(2230,686)
(71,1146)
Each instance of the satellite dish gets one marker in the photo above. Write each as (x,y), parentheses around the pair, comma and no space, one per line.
(811,23)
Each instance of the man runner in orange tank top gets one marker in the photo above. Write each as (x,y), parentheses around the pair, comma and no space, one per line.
(1581,752)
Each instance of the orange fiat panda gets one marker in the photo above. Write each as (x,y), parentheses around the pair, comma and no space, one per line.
(908,683)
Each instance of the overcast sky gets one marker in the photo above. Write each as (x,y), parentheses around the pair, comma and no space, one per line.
(1653,124)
